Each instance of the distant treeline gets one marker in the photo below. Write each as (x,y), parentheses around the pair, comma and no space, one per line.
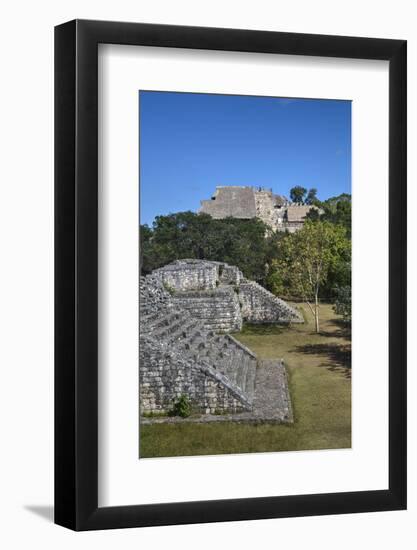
(245,243)
(337,210)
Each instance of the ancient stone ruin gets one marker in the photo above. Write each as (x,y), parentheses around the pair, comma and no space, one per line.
(187,310)
(178,356)
(219,295)
(256,202)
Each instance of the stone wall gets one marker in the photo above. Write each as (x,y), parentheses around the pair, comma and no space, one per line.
(256,202)
(237,202)
(218,309)
(165,375)
(265,210)
(258,305)
(229,275)
(188,275)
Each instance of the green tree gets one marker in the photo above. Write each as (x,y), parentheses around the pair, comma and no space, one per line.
(147,251)
(306,258)
(199,236)
(337,210)
(312,196)
(343,303)
(297,194)
(244,244)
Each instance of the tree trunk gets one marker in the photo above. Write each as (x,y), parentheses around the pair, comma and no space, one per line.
(316,313)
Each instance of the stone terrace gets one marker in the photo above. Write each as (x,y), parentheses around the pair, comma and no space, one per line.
(271,403)
(178,355)
(186,310)
(220,296)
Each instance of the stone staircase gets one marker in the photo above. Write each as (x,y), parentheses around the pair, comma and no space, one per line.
(232,360)
(178,333)
(219,309)
(218,294)
(260,305)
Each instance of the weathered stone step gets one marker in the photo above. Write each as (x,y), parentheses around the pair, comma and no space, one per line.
(163,332)
(217,308)
(168,318)
(182,330)
(241,372)
(280,305)
(148,312)
(250,381)
(228,364)
(197,334)
(147,320)
(169,327)
(177,329)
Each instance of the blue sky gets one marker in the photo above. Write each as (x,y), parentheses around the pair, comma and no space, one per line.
(189,143)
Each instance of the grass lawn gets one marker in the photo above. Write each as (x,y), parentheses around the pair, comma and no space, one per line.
(319,373)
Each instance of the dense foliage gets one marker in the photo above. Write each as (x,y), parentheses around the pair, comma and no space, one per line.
(307,259)
(311,196)
(337,210)
(187,235)
(297,194)
(300,195)
(343,303)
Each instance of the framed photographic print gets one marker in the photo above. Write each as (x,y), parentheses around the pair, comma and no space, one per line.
(230,275)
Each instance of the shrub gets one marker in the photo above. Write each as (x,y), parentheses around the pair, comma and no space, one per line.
(343,303)
(182,407)
(168,288)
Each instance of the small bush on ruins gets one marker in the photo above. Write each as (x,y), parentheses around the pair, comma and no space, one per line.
(182,406)
(169,288)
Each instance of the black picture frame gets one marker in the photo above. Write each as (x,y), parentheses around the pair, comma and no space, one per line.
(76,272)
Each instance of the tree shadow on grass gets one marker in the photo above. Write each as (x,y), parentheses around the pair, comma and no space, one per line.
(341,323)
(343,332)
(338,357)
